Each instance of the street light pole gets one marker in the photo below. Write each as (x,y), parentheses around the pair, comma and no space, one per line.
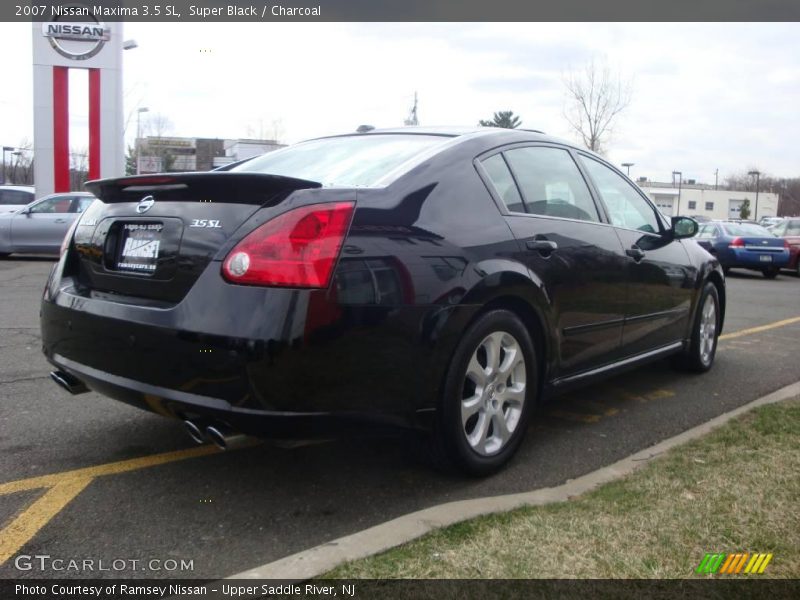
(680,184)
(139,133)
(758,177)
(628,166)
(6,149)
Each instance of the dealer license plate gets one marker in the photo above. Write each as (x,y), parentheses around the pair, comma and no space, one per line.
(139,247)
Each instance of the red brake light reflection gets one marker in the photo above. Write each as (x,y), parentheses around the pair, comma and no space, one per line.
(296,249)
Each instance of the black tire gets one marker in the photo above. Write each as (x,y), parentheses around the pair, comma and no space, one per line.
(771,272)
(726,270)
(696,358)
(797,267)
(450,446)
(5,254)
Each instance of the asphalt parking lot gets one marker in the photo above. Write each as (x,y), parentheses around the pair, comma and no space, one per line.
(86,478)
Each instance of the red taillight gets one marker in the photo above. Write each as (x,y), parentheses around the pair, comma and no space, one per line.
(786,243)
(736,243)
(296,249)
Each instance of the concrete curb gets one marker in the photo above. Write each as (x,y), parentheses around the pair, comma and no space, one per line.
(320,559)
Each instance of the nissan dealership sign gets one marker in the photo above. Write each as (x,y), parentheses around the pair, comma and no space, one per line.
(76,40)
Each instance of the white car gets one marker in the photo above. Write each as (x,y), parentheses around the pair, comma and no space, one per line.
(14,197)
(40,227)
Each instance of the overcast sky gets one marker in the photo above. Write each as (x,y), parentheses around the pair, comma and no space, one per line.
(705,96)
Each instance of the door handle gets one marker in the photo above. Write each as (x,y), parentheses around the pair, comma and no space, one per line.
(543,247)
(60,221)
(635,253)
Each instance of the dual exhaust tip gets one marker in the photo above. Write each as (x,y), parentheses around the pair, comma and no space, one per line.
(203,430)
(200,430)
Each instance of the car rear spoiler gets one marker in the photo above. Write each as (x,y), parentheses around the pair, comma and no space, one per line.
(207,186)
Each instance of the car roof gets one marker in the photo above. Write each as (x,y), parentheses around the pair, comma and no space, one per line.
(452,131)
(21,188)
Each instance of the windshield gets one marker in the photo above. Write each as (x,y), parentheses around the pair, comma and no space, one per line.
(350,161)
(746,229)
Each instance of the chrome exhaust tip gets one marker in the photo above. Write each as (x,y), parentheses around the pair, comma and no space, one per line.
(195,432)
(223,438)
(69,382)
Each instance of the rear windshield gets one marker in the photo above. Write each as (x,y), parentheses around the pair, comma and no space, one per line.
(746,229)
(350,161)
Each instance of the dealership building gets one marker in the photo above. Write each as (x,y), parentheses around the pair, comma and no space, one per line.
(158,153)
(697,199)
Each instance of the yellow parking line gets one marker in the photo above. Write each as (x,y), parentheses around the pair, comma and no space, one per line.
(759,329)
(122,466)
(572,416)
(28,523)
(65,486)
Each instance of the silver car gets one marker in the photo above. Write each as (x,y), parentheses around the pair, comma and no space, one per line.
(40,227)
(14,197)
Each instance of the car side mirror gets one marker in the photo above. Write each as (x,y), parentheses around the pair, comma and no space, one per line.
(684,227)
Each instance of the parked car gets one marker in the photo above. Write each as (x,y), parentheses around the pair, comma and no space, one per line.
(14,197)
(769,221)
(700,218)
(744,245)
(789,230)
(40,227)
(438,280)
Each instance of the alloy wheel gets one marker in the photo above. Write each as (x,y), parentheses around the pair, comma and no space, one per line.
(708,329)
(493,395)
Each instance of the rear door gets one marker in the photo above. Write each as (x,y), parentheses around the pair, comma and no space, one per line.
(658,271)
(565,245)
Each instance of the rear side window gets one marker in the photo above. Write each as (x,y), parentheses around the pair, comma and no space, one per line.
(793,228)
(8,197)
(551,183)
(349,161)
(503,182)
(626,207)
(81,204)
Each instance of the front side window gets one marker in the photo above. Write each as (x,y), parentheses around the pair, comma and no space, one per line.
(55,204)
(348,161)
(626,208)
(503,182)
(551,183)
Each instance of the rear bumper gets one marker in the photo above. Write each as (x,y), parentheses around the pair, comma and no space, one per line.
(262,423)
(292,364)
(753,259)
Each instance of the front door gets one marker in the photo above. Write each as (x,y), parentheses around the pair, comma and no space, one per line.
(43,226)
(659,274)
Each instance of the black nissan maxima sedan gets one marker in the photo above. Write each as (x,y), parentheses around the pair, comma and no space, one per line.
(438,280)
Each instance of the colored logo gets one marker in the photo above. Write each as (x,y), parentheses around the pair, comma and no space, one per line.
(741,563)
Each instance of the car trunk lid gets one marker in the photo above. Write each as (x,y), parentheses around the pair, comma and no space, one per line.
(152,236)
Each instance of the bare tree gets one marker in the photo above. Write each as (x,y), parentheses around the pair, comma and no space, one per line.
(19,169)
(595,97)
(78,168)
